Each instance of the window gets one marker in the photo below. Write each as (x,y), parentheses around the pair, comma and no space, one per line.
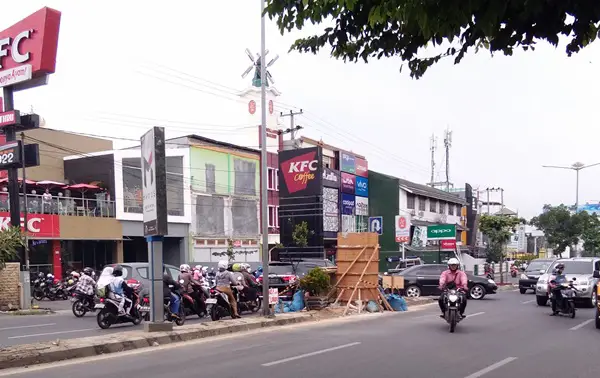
(245,177)
(432,270)
(143,272)
(211,183)
(277,180)
(410,201)
(432,206)
(274,216)
(174,273)
(422,201)
(450,209)
(442,207)
(271,178)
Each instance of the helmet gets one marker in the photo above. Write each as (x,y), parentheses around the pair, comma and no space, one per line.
(88,271)
(205,269)
(245,266)
(75,274)
(223,264)
(184,268)
(198,268)
(41,274)
(560,267)
(117,271)
(453,261)
(49,275)
(236,267)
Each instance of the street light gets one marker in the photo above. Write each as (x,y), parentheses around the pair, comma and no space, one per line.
(578,166)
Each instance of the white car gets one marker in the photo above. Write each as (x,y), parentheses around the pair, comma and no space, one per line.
(580,270)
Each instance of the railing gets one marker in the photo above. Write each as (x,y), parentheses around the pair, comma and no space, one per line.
(86,207)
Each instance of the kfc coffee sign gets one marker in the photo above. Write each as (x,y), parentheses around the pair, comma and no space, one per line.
(348,183)
(301,172)
(28,49)
(362,167)
(38,225)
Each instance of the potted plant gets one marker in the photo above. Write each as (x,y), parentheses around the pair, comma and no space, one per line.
(316,284)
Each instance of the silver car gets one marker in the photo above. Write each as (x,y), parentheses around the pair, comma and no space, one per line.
(580,270)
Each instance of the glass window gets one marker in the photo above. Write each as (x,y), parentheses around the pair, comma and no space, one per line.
(432,206)
(431,270)
(143,272)
(536,266)
(410,201)
(451,209)
(442,207)
(281,269)
(575,267)
(211,182)
(173,272)
(422,201)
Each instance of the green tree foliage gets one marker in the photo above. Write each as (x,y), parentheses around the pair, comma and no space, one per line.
(300,234)
(231,253)
(590,233)
(316,281)
(498,229)
(561,227)
(358,29)
(11,240)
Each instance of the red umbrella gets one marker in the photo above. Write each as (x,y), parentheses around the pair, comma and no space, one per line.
(28,182)
(82,187)
(50,183)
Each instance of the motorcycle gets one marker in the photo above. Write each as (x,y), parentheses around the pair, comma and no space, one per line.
(566,306)
(38,291)
(109,311)
(220,306)
(245,304)
(180,318)
(82,303)
(191,305)
(453,300)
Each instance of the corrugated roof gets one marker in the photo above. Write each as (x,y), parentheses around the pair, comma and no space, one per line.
(427,191)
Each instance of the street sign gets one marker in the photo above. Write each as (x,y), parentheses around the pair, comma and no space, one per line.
(441,232)
(402,228)
(376,225)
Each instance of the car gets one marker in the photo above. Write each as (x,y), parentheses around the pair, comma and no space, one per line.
(404,264)
(597,312)
(282,273)
(577,269)
(138,272)
(532,273)
(423,280)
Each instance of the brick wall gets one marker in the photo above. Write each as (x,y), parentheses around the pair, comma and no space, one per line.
(9,285)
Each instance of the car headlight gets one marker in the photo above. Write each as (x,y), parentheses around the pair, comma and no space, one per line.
(542,281)
(524,277)
(491,281)
(453,298)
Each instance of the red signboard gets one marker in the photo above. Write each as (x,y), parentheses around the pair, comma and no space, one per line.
(252,107)
(448,244)
(38,225)
(9,118)
(361,167)
(31,41)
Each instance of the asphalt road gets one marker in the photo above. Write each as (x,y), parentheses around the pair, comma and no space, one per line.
(506,335)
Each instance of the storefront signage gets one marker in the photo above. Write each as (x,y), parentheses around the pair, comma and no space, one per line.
(441,231)
(28,48)
(449,244)
(331,178)
(347,163)
(10,155)
(38,225)
(300,172)
(362,167)
(348,183)
(362,206)
(362,186)
(403,224)
(154,182)
(9,118)
(348,204)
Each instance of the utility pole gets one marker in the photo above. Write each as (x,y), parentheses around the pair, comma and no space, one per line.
(293,127)
(432,148)
(447,145)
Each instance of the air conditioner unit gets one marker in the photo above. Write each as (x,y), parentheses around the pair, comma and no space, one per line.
(421,214)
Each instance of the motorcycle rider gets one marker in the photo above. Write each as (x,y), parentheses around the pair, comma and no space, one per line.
(555,288)
(168,293)
(120,290)
(200,276)
(224,279)
(86,283)
(189,282)
(251,284)
(459,278)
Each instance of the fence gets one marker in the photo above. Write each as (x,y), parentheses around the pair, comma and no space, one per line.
(37,204)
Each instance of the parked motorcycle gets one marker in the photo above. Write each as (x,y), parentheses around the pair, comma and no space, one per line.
(244,303)
(82,303)
(566,305)
(180,318)
(453,300)
(109,311)
(191,305)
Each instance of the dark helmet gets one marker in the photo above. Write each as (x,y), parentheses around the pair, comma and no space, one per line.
(117,271)
(88,271)
(560,267)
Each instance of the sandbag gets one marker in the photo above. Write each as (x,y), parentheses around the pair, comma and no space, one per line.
(372,307)
(396,302)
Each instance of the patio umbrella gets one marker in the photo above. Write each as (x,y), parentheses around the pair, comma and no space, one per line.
(48,184)
(28,182)
(83,188)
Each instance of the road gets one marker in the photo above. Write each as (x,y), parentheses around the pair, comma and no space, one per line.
(506,335)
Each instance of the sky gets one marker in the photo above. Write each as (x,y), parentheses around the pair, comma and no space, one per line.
(124,67)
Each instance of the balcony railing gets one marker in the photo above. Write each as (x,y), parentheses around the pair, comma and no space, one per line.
(85,207)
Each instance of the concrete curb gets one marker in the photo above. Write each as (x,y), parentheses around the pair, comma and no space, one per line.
(32,354)
(508,287)
(28,312)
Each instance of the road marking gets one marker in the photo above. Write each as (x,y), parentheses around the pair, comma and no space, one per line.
(533,300)
(581,325)
(475,314)
(28,326)
(51,333)
(310,354)
(492,367)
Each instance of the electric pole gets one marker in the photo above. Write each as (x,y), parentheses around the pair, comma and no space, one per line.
(293,128)
(447,145)
(432,148)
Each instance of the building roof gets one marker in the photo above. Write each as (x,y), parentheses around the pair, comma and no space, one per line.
(216,142)
(427,191)
(328,146)
(506,211)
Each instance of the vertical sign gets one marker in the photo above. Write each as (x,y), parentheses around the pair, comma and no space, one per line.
(154,182)
(402,228)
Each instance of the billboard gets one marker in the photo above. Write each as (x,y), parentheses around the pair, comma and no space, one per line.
(362,206)
(154,182)
(348,183)
(300,172)
(361,167)
(362,186)
(348,204)
(347,163)
(331,178)
(331,210)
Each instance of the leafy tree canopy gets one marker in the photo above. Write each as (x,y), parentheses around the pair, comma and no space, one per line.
(498,229)
(562,229)
(590,233)
(11,240)
(363,29)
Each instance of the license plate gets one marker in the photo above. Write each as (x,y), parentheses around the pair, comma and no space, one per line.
(144,309)
(73,299)
(211,301)
(99,305)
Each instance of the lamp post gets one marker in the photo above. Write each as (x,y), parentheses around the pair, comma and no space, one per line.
(578,166)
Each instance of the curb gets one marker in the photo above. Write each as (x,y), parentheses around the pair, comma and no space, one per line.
(28,312)
(40,353)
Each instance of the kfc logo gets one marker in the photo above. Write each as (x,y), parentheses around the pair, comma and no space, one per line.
(46,226)
(14,44)
(299,171)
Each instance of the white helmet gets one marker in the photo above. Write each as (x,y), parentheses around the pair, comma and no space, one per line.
(75,274)
(198,268)
(223,264)
(50,275)
(184,268)
(453,261)
(245,266)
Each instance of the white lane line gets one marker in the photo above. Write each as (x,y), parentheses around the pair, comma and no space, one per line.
(581,325)
(492,367)
(310,354)
(51,333)
(533,300)
(475,314)
(27,326)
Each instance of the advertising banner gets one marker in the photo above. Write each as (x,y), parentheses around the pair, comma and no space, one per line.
(361,167)
(362,186)
(348,223)
(362,206)
(331,210)
(331,178)
(38,225)
(300,172)
(402,228)
(154,182)
(348,183)
(348,204)
(449,244)
(347,163)
(441,231)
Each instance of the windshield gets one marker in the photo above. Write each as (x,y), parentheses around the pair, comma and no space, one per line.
(536,266)
(281,269)
(575,267)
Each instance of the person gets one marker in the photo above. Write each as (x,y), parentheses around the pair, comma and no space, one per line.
(251,285)
(86,283)
(198,273)
(459,278)
(120,290)
(555,288)
(224,279)
(189,282)
(168,293)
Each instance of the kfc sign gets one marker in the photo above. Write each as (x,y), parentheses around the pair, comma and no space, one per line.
(301,171)
(38,225)
(28,48)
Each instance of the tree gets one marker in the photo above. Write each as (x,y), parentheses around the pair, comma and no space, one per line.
(562,229)
(498,230)
(590,233)
(404,28)
(300,234)
(11,240)
(230,253)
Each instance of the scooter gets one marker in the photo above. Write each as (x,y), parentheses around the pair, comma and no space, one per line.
(219,305)
(192,305)
(452,315)
(566,306)
(109,312)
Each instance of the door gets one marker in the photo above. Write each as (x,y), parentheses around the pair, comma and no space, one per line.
(429,278)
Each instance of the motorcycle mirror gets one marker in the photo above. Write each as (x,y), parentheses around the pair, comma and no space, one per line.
(574,279)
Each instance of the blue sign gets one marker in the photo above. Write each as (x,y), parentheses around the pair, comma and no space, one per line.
(348,163)
(348,204)
(376,225)
(362,186)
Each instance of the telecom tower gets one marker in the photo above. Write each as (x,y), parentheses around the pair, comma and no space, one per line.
(444,185)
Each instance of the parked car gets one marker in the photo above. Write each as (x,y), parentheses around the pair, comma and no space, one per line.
(282,273)
(138,273)
(597,294)
(424,279)
(404,264)
(532,273)
(580,268)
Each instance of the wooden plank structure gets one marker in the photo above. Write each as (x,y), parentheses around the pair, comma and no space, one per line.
(357,276)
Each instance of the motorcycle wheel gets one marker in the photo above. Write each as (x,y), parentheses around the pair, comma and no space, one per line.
(257,305)
(572,310)
(214,313)
(452,320)
(137,317)
(78,309)
(51,296)
(103,319)
(181,320)
(38,295)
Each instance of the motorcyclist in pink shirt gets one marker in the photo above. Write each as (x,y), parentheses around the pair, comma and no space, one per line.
(459,278)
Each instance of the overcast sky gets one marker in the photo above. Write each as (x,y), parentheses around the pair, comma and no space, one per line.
(124,65)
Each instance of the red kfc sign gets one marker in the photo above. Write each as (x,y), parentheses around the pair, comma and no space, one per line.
(38,225)
(299,171)
(28,48)
(362,167)
(448,244)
